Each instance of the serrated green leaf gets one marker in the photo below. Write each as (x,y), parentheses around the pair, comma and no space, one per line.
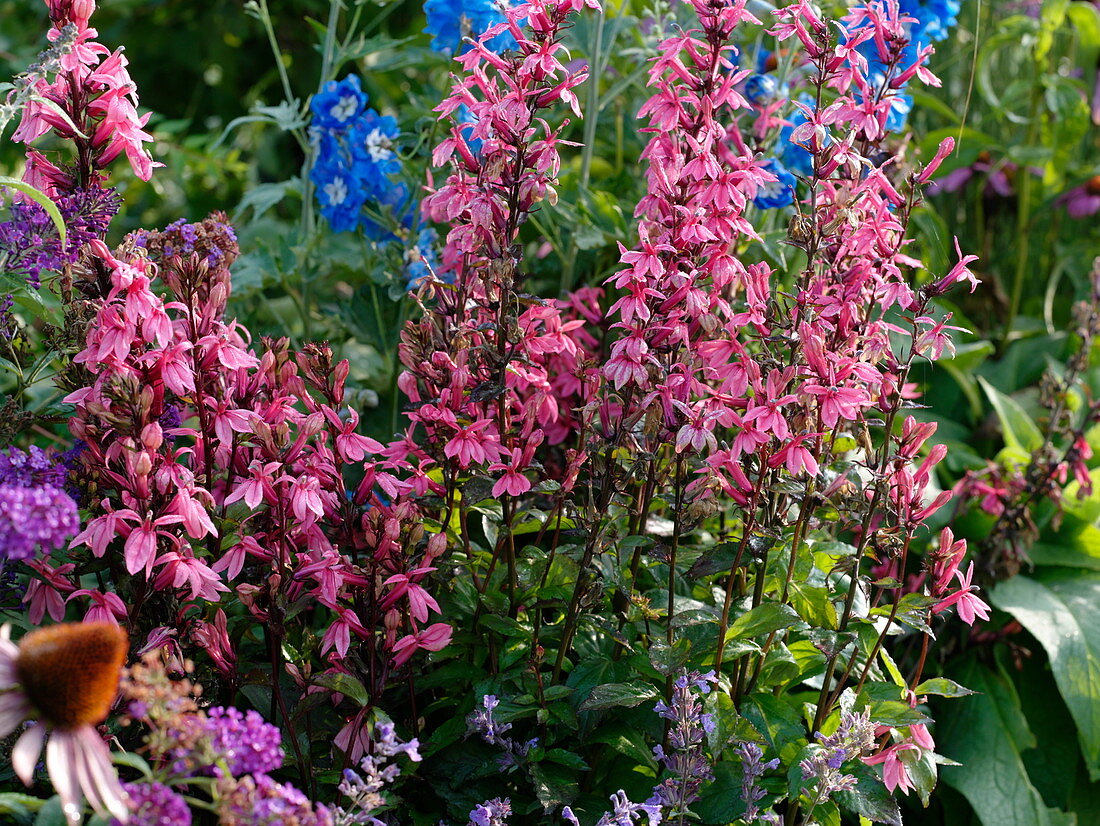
(763,619)
(612,695)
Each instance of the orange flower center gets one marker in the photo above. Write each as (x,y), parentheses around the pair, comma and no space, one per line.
(1092,185)
(70,672)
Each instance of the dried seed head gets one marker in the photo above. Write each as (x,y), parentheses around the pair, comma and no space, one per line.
(70,672)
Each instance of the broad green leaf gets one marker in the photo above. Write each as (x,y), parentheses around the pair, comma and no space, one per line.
(554,785)
(1020,431)
(626,740)
(1075,546)
(619,694)
(763,619)
(344,684)
(133,761)
(942,687)
(987,733)
(263,197)
(777,720)
(51,814)
(720,801)
(18,806)
(1061,609)
(40,198)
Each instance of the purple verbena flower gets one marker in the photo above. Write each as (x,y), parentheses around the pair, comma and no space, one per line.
(246,743)
(154,804)
(35,518)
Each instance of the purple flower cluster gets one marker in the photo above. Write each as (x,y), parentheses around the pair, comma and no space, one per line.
(752,768)
(364,788)
(493,812)
(31,468)
(623,812)
(822,769)
(246,743)
(687,764)
(35,510)
(154,804)
(29,243)
(212,239)
(260,801)
(483,723)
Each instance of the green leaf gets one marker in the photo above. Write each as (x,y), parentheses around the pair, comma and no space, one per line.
(344,684)
(1061,609)
(51,814)
(263,197)
(566,758)
(40,198)
(987,734)
(19,806)
(612,695)
(133,761)
(720,801)
(763,619)
(777,720)
(715,560)
(1019,430)
(554,785)
(942,687)
(627,740)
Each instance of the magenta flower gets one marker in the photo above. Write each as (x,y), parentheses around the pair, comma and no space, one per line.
(1082,201)
(894,772)
(970,605)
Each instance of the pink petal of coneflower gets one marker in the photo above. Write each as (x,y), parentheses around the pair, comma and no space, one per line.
(25,754)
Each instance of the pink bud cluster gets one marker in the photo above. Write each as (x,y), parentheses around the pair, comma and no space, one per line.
(92,102)
(216,464)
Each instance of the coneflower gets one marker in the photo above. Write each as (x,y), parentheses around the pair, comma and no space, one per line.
(65,678)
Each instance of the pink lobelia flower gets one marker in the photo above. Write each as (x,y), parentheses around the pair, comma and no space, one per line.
(433,638)
(65,677)
(970,605)
(894,772)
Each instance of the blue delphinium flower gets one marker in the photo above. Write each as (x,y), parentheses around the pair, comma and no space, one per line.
(450,22)
(340,195)
(900,107)
(371,141)
(355,158)
(935,18)
(339,103)
(779,193)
